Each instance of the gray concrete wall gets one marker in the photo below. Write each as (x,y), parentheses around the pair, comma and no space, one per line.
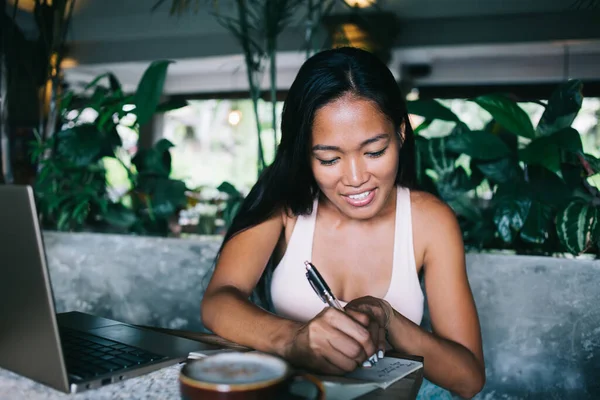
(540,318)
(135,279)
(540,324)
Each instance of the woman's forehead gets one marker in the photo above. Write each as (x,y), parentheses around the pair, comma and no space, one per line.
(349,119)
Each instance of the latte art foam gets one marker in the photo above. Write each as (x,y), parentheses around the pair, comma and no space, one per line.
(236,368)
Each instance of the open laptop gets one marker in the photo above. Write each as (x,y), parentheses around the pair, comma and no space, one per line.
(70,351)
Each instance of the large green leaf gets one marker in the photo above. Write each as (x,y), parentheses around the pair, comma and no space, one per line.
(163,145)
(478,144)
(562,108)
(149,90)
(476,175)
(436,156)
(547,187)
(82,144)
(507,113)
(160,197)
(453,184)
(431,109)
(503,170)
(538,223)
(510,213)
(572,174)
(511,140)
(154,161)
(546,150)
(167,197)
(576,226)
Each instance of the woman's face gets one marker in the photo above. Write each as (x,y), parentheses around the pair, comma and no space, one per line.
(354,156)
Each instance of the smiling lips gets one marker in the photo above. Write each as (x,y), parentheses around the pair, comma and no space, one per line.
(360,199)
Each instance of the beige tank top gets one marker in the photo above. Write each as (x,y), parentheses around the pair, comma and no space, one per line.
(294,298)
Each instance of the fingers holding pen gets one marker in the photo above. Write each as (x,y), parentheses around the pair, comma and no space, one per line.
(376,331)
(335,341)
(357,326)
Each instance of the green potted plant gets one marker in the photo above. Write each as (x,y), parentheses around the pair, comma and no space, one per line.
(71,186)
(542,202)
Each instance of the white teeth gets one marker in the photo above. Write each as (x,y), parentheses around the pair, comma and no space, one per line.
(360,196)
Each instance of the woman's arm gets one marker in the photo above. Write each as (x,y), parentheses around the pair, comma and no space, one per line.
(332,342)
(453,352)
(226,309)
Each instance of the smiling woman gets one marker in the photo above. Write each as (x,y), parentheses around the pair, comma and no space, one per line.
(355,155)
(339,193)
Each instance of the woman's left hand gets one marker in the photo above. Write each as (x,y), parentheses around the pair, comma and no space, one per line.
(380,313)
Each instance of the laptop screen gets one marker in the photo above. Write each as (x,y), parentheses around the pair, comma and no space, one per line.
(29,339)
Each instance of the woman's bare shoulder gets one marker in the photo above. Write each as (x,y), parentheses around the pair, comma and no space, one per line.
(424,202)
(432,218)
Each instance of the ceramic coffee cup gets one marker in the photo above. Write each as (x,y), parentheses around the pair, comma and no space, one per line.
(238,376)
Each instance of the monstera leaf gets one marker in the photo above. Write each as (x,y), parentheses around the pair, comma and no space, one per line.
(577,226)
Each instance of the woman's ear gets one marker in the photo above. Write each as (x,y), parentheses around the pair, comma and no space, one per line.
(402,132)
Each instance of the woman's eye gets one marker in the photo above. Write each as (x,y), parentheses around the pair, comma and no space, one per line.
(377,153)
(328,162)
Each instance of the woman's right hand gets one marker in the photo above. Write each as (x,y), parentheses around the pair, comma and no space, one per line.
(333,342)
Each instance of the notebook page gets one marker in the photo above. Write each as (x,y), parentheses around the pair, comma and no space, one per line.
(387,371)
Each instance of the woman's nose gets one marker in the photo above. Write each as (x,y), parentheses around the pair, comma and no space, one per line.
(355,173)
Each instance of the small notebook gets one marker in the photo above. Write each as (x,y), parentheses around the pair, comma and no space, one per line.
(387,371)
(357,383)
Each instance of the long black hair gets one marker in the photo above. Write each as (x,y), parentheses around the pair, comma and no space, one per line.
(288,183)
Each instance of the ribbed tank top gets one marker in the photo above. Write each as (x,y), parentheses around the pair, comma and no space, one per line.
(294,298)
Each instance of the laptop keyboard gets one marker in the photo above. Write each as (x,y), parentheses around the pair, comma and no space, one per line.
(88,356)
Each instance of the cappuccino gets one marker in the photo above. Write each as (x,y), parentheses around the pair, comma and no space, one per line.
(237,369)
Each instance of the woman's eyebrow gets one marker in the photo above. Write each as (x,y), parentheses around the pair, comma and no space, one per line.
(324,147)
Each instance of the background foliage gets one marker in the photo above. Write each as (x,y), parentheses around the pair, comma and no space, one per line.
(521,187)
(71,185)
